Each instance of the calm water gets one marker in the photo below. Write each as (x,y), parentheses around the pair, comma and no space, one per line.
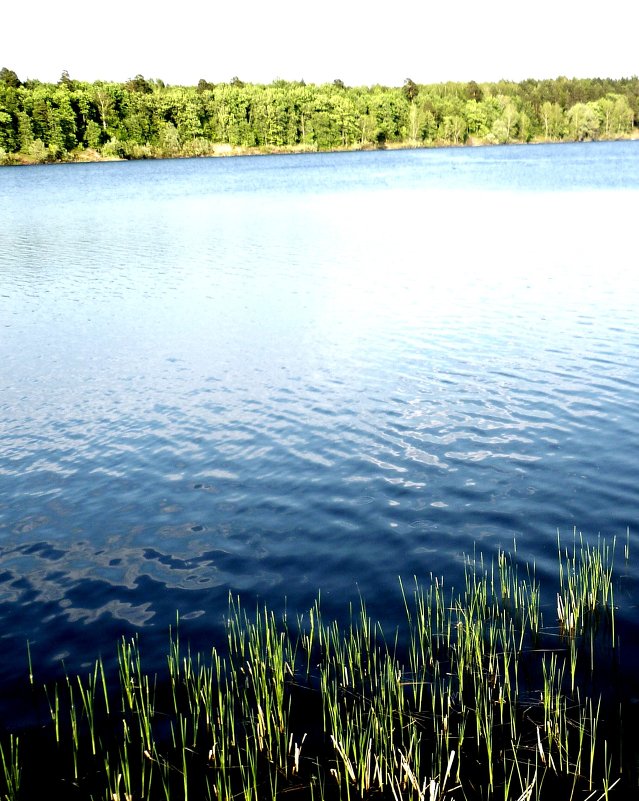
(280,375)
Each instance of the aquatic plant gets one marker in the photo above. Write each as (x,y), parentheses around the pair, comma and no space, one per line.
(472,698)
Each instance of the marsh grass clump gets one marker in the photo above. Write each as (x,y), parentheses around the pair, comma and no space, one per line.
(473,698)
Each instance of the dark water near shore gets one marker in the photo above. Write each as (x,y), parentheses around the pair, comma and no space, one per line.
(282,375)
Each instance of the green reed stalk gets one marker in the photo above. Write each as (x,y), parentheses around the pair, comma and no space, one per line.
(30,664)
(183,748)
(486,696)
(75,731)
(125,763)
(146,771)
(54,710)
(11,768)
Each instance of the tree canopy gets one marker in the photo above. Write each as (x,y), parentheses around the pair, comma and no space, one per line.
(144,118)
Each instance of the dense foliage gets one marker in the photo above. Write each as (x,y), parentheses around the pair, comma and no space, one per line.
(144,118)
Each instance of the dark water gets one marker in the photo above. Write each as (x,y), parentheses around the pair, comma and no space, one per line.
(282,375)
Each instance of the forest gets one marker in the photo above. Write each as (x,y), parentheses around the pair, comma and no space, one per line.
(146,118)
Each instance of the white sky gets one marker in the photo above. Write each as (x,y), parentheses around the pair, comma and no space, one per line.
(358,42)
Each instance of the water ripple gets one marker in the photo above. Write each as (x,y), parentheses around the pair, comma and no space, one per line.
(273,395)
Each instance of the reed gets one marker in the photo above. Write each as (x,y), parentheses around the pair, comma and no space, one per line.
(11,768)
(485,702)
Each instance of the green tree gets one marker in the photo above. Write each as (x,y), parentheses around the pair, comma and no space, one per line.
(270,117)
(453,129)
(9,78)
(623,116)
(583,121)
(139,84)
(410,89)
(552,120)
(25,132)
(473,91)
(323,123)
(366,125)
(7,133)
(104,98)
(93,135)
(346,113)
(188,120)
(114,149)
(65,81)
(525,127)
(477,120)
(505,127)
(9,110)
(142,115)
(38,152)
(169,140)
(53,119)
(390,110)
(615,115)
(414,123)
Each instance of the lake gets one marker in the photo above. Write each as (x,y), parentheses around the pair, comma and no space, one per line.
(275,376)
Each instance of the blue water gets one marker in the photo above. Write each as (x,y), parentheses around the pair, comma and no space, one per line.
(280,375)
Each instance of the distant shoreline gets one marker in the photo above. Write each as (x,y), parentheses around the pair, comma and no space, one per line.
(74,121)
(90,156)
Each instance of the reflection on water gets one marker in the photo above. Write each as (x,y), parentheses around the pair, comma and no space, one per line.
(272,376)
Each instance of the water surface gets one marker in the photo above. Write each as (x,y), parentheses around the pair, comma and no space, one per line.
(275,376)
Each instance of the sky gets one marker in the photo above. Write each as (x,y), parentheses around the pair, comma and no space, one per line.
(356,42)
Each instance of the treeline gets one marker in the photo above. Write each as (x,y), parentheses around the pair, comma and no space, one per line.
(145,118)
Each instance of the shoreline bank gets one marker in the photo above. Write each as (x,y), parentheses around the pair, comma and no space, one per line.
(223,150)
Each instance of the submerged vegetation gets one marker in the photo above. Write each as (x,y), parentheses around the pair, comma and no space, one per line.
(142,118)
(475,696)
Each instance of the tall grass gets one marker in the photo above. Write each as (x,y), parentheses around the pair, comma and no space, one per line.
(475,699)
